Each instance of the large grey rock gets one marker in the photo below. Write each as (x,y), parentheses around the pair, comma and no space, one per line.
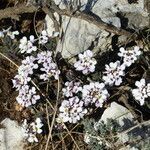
(110,7)
(136,13)
(2,139)
(11,136)
(79,35)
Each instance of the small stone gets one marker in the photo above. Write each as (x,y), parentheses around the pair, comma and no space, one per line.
(116,111)
(11,136)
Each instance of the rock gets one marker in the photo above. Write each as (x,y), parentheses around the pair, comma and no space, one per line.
(63,4)
(11,137)
(116,111)
(112,20)
(50,24)
(79,35)
(122,115)
(2,139)
(126,121)
(136,14)
(114,6)
(137,21)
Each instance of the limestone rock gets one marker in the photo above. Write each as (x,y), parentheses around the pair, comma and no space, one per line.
(116,111)
(79,35)
(50,24)
(2,139)
(11,137)
(136,13)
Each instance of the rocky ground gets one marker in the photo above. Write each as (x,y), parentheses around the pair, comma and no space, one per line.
(73,27)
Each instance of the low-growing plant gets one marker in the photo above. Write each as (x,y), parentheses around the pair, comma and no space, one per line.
(40,85)
(100,135)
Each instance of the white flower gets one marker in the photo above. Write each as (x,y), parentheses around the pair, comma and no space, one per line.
(37,125)
(44,57)
(71,88)
(114,73)
(31,130)
(94,93)
(142,91)
(137,51)
(28,64)
(12,34)
(129,56)
(32,138)
(48,66)
(26,46)
(32,39)
(50,70)
(148,89)
(27,96)
(43,39)
(20,80)
(86,62)
(72,110)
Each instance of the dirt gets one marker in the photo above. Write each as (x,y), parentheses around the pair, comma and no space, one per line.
(7,93)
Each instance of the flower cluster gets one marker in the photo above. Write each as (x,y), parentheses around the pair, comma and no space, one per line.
(43,39)
(71,88)
(48,66)
(113,74)
(31,130)
(94,93)
(115,71)
(129,56)
(72,110)
(26,46)
(86,62)
(27,96)
(142,91)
